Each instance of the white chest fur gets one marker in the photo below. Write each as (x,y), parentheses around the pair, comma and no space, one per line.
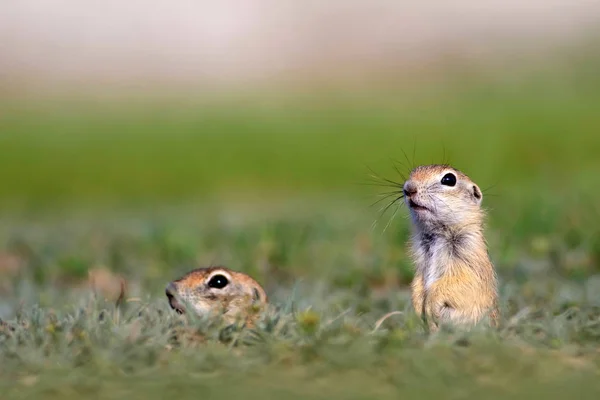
(432,260)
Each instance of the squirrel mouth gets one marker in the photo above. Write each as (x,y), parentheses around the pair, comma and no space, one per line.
(175,305)
(416,207)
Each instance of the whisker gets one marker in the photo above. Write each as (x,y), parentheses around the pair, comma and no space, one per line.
(485,191)
(400,191)
(407,160)
(445,161)
(396,161)
(391,219)
(376,176)
(397,194)
(391,204)
(389,184)
(384,197)
(387,196)
(374,224)
(398,171)
(379,184)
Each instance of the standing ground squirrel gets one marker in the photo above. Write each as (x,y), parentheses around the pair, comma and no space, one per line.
(455,281)
(217,290)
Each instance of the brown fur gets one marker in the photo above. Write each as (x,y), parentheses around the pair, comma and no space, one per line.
(240,299)
(455,281)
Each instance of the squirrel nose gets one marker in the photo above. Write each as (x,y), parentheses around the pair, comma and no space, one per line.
(409,189)
(170,290)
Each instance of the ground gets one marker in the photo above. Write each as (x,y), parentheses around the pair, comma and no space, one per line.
(282,190)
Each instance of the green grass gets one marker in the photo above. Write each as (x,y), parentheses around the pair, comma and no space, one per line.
(329,279)
(273,186)
(533,132)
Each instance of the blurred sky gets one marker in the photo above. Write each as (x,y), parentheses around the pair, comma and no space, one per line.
(115,42)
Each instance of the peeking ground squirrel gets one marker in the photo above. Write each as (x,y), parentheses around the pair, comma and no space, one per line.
(217,290)
(455,281)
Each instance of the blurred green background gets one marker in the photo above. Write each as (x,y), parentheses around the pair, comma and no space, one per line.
(146,171)
(536,131)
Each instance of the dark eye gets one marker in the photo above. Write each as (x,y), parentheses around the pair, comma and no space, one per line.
(449,179)
(218,282)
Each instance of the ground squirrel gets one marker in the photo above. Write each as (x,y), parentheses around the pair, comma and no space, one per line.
(217,290)
(455,281)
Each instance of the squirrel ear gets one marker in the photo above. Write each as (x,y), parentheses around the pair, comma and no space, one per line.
(477,194)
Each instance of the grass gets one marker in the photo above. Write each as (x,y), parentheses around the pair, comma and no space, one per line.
(330,279)
(527,132)
(273,188)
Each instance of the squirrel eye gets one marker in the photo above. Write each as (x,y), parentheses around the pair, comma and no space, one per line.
(449,179)
(218,282)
